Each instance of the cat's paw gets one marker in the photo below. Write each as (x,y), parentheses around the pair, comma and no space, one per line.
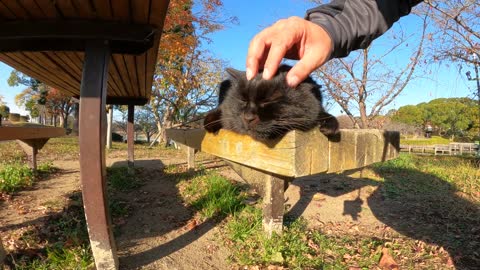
(328,124)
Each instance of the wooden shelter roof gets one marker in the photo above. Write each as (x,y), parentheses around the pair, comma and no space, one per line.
(44,39)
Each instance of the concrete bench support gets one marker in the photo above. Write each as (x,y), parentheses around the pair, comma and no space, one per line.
(269,166)
(31,138)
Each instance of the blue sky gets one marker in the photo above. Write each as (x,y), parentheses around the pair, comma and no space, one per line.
(231,45)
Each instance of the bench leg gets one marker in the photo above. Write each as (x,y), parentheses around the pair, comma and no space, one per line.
(190,158)
(92,138)
(272,188)
(31,147)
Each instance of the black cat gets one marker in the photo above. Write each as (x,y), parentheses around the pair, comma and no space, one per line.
(268,109)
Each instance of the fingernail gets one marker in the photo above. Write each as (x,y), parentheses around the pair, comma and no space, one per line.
(249,74)
(266,74)
(292,81)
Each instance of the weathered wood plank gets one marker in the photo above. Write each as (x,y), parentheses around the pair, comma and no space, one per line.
(273,204)
(30,68)
(84,9)
(131,75)
(5,12)
(158,11)
(67,9)
(102,10)
(297,153)
(119,62)
(25,133)
(48,8)
(16,9)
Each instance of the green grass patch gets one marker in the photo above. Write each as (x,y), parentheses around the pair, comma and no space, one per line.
(434,175)
(425,141)
(121,179)
(15,177)
(211,194)
(298,247)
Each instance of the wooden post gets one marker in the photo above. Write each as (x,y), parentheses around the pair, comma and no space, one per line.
(130,138)
(273,204)
(109,126)
(190,158)
(93,92)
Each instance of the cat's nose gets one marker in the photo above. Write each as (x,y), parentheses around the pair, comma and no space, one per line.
(250,118)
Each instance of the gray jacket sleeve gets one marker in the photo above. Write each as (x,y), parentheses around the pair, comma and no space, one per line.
(354,24)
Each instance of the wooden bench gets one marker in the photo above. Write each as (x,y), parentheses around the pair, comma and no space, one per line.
(30,138)
(270,166)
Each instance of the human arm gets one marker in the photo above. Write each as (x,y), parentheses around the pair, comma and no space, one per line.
(328,31)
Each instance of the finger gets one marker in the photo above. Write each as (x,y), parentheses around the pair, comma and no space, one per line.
(302,69)
(275,55)
(256,52)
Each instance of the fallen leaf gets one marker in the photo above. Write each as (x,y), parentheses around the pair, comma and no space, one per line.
(318,197)
(387,262)
(192,224)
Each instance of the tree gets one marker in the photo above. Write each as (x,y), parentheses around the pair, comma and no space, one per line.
(60,104)
(367,81)
(4,110)
(414,115)
(186,78)
(145,121)
(452,116)
(457,38)
(458,29)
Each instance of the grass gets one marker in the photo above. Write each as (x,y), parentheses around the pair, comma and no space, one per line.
(59,243)
(16,176)
(425,141)
(211,194)
(444,190)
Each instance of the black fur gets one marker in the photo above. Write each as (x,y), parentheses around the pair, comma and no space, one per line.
(268,109)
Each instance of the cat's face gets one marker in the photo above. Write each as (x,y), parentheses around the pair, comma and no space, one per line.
(265,109)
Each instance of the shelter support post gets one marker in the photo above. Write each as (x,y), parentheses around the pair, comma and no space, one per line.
(130,136)
(92,137)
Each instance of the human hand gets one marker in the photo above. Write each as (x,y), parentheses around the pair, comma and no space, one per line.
(292,38)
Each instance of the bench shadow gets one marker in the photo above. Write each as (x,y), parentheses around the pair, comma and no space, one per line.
(415,204)
(161,223)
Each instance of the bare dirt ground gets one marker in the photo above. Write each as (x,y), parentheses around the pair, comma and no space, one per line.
(158,234)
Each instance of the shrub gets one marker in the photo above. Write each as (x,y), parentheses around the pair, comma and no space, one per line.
(117,137)
(15,177)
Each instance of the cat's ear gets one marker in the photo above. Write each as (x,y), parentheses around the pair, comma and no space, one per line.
(328,124)
(224,87)
(237,75)
(212,122)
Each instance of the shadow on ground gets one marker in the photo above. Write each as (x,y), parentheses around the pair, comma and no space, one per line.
(161,222)
(415,204)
